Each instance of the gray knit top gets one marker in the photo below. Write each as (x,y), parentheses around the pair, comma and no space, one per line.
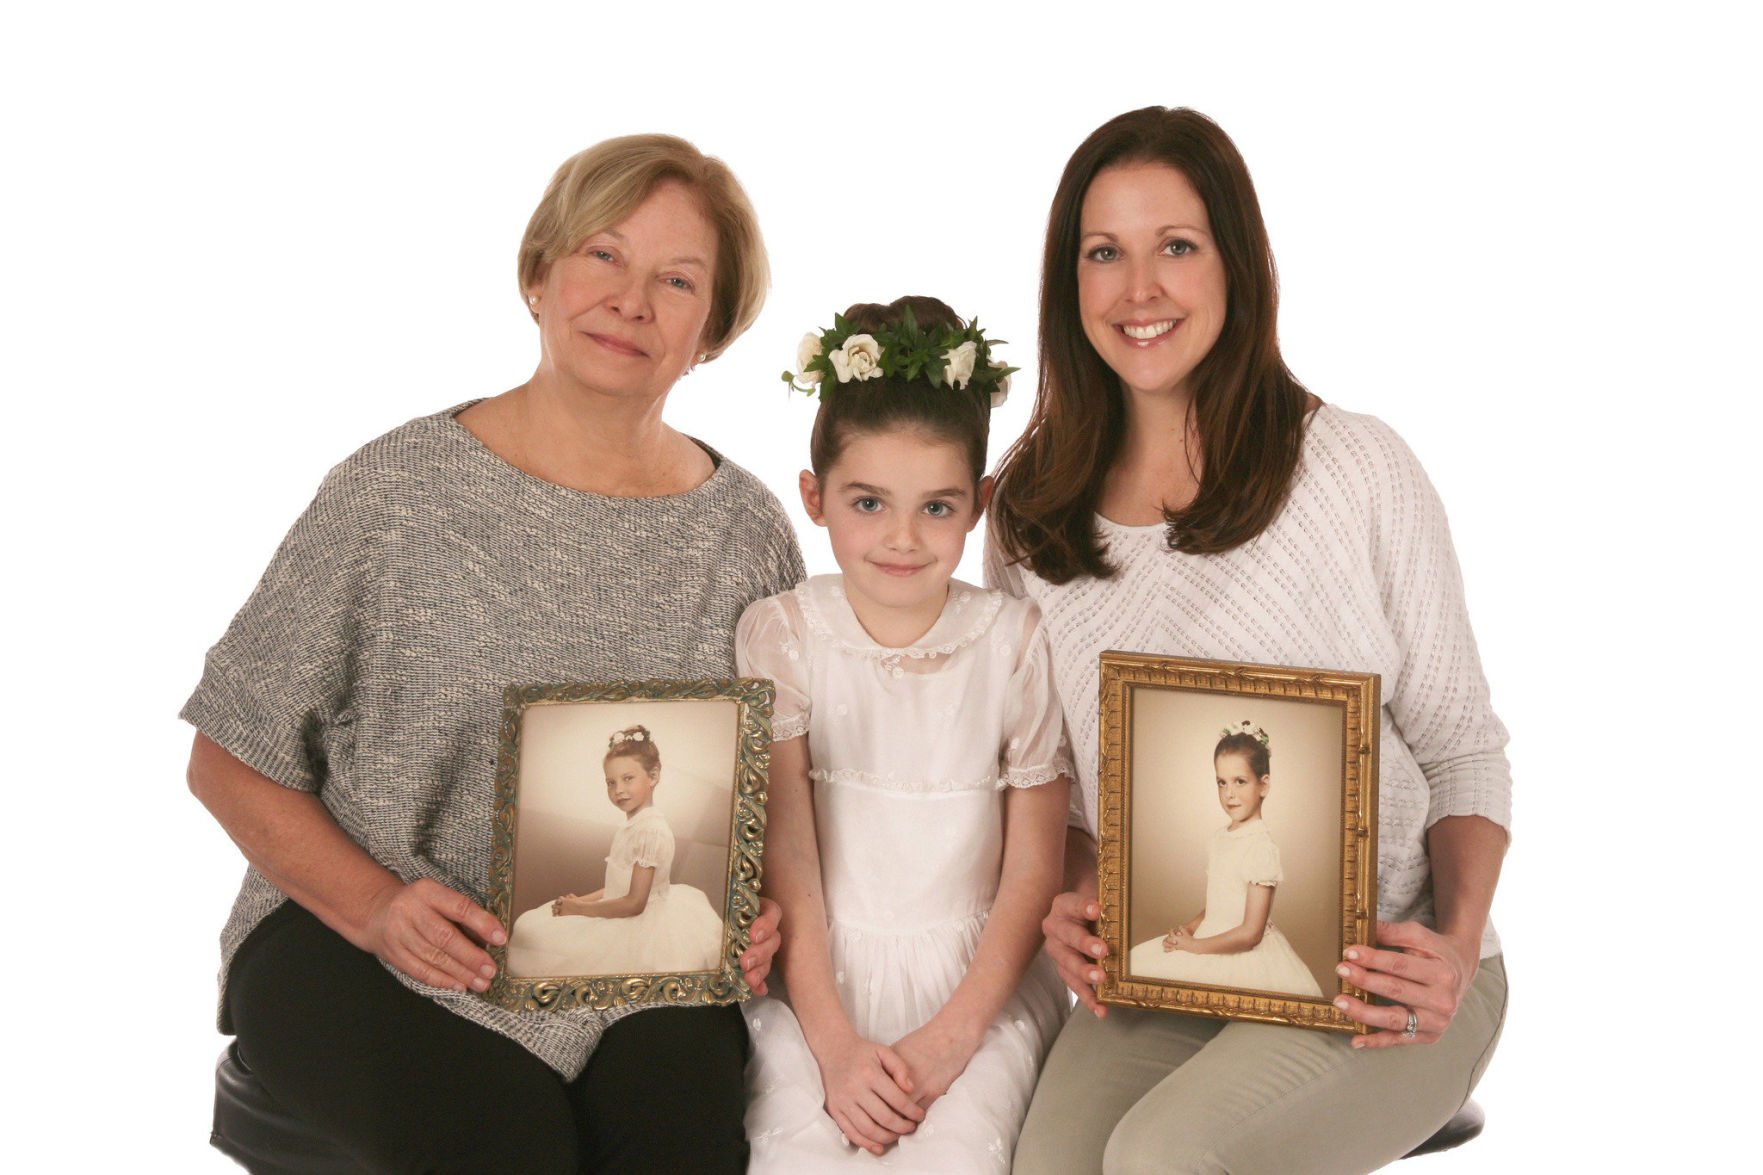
(369,663)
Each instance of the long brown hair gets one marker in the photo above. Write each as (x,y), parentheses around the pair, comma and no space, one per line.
(1248,408)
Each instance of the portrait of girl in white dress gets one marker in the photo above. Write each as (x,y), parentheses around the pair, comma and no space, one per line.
(1232,941)
(640,921)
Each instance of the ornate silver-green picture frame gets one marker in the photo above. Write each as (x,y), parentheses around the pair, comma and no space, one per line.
(626,844)
(1237,855)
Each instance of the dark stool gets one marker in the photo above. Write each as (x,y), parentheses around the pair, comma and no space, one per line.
(253,1129)
(1460,1129)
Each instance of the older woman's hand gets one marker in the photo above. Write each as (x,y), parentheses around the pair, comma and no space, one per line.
(764,940)
(1420,971)
(433,934)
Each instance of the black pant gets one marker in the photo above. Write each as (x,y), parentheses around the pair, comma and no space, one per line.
(409,1086)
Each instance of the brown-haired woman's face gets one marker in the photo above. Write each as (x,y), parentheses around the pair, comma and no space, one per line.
(1150,281)
(624,314)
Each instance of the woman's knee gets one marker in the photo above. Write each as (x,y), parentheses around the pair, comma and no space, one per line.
(1148,1143)
(647,1066)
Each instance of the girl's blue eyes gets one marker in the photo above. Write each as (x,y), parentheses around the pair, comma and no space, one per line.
(937,509)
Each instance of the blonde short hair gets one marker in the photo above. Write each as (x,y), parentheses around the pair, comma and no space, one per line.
(599,187)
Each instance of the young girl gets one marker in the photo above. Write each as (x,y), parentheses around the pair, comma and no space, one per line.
(918,779)
(641,922)
(1233,942)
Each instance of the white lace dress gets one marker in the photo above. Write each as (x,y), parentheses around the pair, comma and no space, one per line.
(677,930)
(1235,860)
(911,750)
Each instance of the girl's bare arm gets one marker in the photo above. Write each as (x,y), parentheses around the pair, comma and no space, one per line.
(629,906)
(866,1083)
(1034,845)
(1257,911)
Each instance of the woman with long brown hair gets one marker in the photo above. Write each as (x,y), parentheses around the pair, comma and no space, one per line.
(1178,491)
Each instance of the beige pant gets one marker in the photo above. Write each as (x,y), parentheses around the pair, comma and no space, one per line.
(1166,1092)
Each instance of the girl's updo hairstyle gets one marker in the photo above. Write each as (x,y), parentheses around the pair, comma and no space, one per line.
(637,743)
(1248,746)
(961,416)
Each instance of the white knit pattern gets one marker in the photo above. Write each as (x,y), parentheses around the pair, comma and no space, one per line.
(1356,573)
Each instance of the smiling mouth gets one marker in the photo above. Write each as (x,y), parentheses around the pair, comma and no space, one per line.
(899,569)
(1149,331)
(618,345)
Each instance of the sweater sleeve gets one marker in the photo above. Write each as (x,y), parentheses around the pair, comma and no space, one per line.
(275,690)
(1440,703)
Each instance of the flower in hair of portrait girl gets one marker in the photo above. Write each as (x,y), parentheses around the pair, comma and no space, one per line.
(958,364)
(807,351)
(859,358)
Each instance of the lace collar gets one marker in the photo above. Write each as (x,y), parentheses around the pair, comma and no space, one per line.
(967,614)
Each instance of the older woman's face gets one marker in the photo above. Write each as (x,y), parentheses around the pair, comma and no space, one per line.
(1150,281)
(624,314)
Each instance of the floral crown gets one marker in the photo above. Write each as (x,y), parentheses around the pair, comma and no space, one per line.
(943,357)
(635,734)
(1245,727)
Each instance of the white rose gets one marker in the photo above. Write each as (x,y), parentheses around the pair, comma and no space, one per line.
(958,364)
(859,358)
(807,351)
(1001,389)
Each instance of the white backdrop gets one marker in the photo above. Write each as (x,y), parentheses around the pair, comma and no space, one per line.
(239,241)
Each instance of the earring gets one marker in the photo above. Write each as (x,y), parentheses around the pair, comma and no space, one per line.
(532,299)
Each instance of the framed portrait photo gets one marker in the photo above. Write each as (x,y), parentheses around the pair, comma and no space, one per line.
(625,851)
(1238,835)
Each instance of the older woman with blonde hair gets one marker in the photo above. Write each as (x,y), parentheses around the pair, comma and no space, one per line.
(347,719)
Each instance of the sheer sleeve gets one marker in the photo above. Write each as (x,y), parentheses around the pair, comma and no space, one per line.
(276,689)
(650,843)
(1261,864)
(1034,749)
(768,643)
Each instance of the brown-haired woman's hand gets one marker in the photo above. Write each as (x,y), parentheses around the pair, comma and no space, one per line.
(1071,942)
(1422,972)
(763,944)
(433,934)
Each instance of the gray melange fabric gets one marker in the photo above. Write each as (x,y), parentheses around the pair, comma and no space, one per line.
(368,665)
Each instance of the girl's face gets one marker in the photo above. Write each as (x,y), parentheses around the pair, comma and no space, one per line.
(897,506)
(1240,792)
(1150,280)
(628,785)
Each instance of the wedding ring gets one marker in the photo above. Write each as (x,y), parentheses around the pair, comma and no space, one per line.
(1413,1028)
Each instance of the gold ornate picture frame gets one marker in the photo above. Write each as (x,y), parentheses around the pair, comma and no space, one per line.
(564,830)
(1179,874)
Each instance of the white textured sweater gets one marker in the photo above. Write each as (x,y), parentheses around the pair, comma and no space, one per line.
(1356,573)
